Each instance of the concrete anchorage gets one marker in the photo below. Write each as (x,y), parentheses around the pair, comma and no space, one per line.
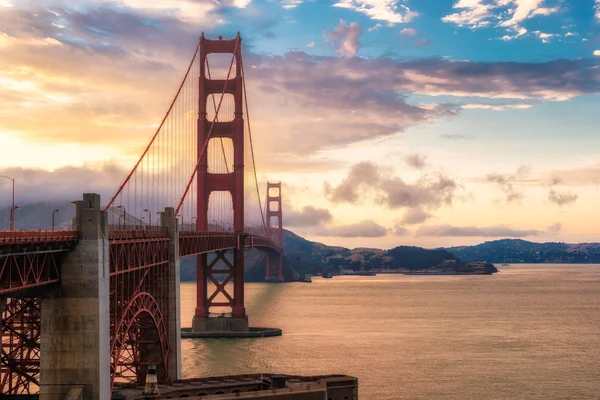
(75,338)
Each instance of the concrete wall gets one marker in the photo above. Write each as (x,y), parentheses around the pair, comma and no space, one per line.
(75,319)
(168,220)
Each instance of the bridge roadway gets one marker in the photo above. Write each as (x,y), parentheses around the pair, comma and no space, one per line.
(31,259)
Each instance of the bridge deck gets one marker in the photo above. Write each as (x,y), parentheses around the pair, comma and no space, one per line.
(32,259)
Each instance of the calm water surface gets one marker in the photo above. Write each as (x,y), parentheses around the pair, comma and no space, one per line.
(528,332)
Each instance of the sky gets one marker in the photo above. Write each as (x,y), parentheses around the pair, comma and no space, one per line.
(410,122)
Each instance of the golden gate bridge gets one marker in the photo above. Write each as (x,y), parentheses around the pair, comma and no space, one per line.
(98,304)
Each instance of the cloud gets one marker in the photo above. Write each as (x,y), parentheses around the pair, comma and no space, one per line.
(597,53)
(380,10)
(556,180)
(554,228)
(105,52)
(366,179)
(63,184)
(311,44)
(414,216)
(366,228)
(561,199)
(472,231)
(507,183)
(520,32)
(344,38)
(509,14)
(545,37)
(375,27)
(417,161)
(399,230)
(289,4)
(451,136)
(586,175)
(308,216)
(496,107)
(408,31)
(597,8)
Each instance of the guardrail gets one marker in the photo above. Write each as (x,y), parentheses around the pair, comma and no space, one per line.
(40,236)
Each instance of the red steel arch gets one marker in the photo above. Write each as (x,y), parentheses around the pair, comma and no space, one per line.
(139,339)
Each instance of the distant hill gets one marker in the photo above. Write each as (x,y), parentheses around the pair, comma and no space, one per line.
(522,251)
(308,257)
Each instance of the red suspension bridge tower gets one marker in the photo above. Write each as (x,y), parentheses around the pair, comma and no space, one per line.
(274,261)
(230,181)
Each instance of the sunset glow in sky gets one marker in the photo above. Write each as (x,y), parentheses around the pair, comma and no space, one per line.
(429,123)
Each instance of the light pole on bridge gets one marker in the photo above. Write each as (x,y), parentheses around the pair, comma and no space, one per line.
(54,212)
(12,208)
(124,216)
(149,216)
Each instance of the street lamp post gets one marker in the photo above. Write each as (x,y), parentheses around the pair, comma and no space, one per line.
(157,219)
(12,208)
(54,212)
(124,217)
(149,216)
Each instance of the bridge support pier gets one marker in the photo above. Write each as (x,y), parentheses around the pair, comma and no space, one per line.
(237,321)
(169,221)
(75,319)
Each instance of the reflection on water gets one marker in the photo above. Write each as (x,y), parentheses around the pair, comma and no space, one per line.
(527,332)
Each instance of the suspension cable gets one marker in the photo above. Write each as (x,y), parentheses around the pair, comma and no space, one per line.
(157,131)
(252,148)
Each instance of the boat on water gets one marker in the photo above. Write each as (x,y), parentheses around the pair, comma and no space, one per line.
(306,279)
(327,275)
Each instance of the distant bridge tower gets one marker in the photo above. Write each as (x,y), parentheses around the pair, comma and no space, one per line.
(232,182)
(275,232)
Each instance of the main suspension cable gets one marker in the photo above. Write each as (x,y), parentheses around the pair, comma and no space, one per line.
(252,148)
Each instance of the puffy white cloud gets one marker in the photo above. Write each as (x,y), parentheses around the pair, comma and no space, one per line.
(367,179)
(344,38)
(375,27)
(408,31)
(597,53)
(289,4)
(509,14)
(496,107)
(545,37)
(381,10)
(311,44)
(520,32)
